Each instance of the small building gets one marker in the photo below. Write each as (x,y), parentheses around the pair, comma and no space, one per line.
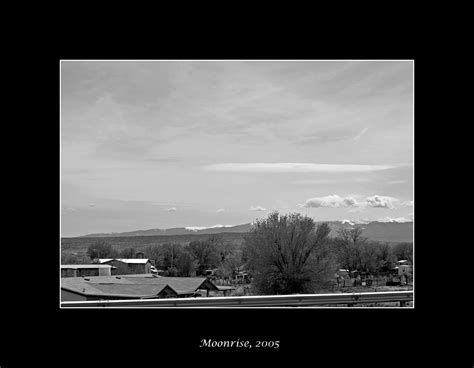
(404,268)
(343,272)
(86,270)
(227,290)
(125,266)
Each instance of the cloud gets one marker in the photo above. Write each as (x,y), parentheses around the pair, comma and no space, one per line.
(356,222)
(220,210)
(396,219)
(337,201)
(407,203)
(361,133)
(330,201)
(348,222)
(197,228)
(330,181)
(257,208)
(334,135)
(283,167)
(377,201)
(69,209)
(91,205)
(172,209)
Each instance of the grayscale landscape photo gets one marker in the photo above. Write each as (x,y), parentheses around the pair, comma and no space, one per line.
(237,183)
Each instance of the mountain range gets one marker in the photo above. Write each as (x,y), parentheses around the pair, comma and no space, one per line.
(389,231)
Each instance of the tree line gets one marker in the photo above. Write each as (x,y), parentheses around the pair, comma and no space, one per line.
(175,259)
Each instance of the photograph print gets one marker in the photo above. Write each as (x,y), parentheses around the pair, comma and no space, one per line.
(236,184)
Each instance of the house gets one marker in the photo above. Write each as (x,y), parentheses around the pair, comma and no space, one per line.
(124,266)
(137,286)
(184,286)
(86,270)
(111,288)
(404,267)
(343,272)
(227,290)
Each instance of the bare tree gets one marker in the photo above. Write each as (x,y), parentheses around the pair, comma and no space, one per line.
(205,253)
(351,248)
(287,253)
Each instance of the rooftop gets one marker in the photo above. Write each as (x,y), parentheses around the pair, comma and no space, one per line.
(125,260)
(180,284)
(141,285)
(80,266)
(109,288)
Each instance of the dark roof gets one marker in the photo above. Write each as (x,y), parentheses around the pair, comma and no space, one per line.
(125,260)
(103,288)
(130,289)
(141,285)
(180,284)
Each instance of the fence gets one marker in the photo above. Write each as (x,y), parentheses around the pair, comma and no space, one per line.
(373,282)
(301,300)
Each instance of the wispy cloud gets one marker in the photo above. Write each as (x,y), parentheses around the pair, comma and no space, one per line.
(172,209)
(284,167)
(397,182)
(220,210)
(330,181)
(361,133)
(333,135)
(330,135)
(257,208)
(69,209)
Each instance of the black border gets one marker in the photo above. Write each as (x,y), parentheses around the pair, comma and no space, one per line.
(319,337)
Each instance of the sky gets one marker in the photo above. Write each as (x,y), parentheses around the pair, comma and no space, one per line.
(162,144)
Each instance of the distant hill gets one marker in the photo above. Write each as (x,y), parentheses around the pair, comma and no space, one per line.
(176,231)
(394,232)
(378,231)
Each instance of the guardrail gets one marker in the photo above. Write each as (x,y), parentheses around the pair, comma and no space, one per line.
(298,300)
